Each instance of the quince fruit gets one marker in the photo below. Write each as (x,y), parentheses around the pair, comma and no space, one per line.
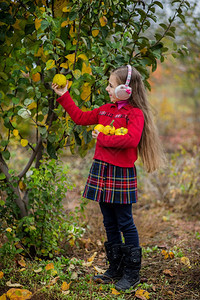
(121,131)
(60,80)
(99,127)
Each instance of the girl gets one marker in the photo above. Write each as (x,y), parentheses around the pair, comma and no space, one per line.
(112,179)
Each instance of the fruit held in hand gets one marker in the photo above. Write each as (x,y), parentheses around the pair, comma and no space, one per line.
(121,131)
(99,127)
(60,80)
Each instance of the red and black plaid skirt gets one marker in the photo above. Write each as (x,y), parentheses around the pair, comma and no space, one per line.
(111,184)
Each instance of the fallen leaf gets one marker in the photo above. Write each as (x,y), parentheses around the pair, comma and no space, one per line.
(53,281)
(49,266)
(91,259)
(115,292)
(87,264)
(171,254)
(38,270)
(168,272)
(65,286)
(21,262)
(10,284)
(3,297)
(185,261)
(65,292)
(18,294)
(74,276)
(22,269)
(100,271)
(1,274)
(142,294)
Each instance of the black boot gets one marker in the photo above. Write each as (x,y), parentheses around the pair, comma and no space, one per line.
(114,257)
(132,265)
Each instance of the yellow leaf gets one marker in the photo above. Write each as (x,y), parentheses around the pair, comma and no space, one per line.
(22,185)
(65,286)
(83,57)
(66,9)
(185,261)
(3,297)
(74,42)
(164,218)
(24,142)
(22,269)
(171,254)
(64,23)
(103,21)
(49,266)
(39,52)
(8,229)
(72,31)
(36,77)
(95,32)
(91,259)
(22,262)
(86,92)
(37,23)
(15,132)
(53,272)
(71,57)
(18,294)
(77,73)
(86,68)
(1,274)
(72,242)
(115,292)
(50,64)
(32,105)
(144,50)
(43,8)
(142,293)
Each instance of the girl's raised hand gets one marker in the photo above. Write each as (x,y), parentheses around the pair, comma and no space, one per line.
(60,91)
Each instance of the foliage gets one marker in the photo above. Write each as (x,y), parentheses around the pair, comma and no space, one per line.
(47,226)
(41,38)
(177,185)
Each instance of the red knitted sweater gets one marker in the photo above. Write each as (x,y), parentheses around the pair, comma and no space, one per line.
(119,150)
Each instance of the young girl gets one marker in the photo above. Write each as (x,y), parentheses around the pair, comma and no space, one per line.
(112,179)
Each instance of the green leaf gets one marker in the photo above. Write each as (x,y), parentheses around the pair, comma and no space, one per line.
(44,24)
(4,75)
(51,150)
(15,100)
(6,154)
(158,3)
(29,28)
(24,113)
(2,176)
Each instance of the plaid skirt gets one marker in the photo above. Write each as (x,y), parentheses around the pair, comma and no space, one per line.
(111,184)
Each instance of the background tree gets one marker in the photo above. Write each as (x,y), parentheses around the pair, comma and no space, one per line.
(83,40)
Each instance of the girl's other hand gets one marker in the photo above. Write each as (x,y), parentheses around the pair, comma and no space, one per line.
(95,134)
(60,91)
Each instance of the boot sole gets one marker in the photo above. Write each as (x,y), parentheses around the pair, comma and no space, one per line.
(132,286)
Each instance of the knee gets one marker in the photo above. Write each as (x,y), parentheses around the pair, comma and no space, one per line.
(127,225)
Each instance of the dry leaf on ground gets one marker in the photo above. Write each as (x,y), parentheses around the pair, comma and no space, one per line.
(18,294)
(185,261)
(49,266)
(10,284)
(65,286)
(3,297)
(99,270)
(91,259)
(168,272)
(142,294)
(1,274)
(115,292)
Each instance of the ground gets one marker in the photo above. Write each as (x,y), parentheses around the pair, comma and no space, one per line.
(170,240)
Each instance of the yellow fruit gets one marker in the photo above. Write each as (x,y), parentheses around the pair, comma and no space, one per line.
(99,127)
(60,80)
(121,131)
(109,130)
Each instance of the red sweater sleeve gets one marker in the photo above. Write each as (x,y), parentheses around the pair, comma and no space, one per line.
(77,115)
(129,140)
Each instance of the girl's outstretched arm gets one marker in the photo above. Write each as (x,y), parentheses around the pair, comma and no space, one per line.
(77,115)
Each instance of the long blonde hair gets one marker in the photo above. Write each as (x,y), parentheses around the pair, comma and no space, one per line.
(150,147)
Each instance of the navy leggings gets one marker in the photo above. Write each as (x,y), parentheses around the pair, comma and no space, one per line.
(117,219)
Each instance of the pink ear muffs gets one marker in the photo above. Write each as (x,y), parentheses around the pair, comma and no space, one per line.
(123,91)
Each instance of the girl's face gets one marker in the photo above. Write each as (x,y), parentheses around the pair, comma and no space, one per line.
(112,84)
